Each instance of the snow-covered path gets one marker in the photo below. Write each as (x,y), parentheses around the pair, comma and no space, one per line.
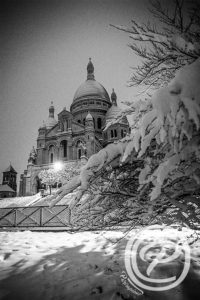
(59,265)
(75,266)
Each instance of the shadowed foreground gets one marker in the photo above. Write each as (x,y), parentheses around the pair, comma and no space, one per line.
(77,266)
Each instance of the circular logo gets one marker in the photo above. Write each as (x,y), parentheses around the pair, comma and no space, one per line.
(157,258)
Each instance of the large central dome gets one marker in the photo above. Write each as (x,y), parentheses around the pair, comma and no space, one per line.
(90,94)
(91,88)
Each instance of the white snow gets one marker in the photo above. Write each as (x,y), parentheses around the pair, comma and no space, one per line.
(58,265)
(35,200)
(62,265)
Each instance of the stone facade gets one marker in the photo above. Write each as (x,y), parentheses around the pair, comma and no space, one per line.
(77,133)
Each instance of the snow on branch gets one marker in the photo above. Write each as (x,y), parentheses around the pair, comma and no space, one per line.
(111,154)
(164,51)
(171,128)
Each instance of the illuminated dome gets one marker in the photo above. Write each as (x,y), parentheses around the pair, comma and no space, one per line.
(112,113)
(114,110)
(91,88)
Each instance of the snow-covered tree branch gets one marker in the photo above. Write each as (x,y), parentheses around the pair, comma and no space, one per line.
(164,48)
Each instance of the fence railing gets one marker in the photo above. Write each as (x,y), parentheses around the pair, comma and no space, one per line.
(35,216)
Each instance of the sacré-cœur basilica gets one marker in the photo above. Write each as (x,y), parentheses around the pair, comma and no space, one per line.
(76,134)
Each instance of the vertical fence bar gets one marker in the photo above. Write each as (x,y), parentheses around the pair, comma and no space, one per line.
(69,219)
(41,215)
(15,218)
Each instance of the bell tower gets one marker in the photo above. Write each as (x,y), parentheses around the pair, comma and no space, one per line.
(10,177)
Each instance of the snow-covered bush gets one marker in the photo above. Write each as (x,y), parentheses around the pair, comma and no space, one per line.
(51,176)
(168,138)
(48,177)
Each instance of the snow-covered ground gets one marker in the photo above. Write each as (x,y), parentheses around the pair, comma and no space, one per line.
(35,200)
(70,266)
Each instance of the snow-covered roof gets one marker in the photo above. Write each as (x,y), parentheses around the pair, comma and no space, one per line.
(10,169)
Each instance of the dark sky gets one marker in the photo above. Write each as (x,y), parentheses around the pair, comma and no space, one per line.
(45,46)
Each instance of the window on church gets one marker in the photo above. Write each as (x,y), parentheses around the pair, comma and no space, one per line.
(112,134)
(99,123)
(122,133)
(51,153)
(84,121)
(64,147)
(79,153)
(115,132)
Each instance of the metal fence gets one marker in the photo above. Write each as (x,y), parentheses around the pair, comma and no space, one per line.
(35,216)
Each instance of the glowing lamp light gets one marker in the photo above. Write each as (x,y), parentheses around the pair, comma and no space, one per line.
(58,166)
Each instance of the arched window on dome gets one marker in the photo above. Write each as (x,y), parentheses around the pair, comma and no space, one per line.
(51,158)
(84,121)
(115,131)
(99,123)
(94,122)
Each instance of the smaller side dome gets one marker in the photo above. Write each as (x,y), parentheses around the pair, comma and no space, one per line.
(111,114)
(114,110)
(51,121)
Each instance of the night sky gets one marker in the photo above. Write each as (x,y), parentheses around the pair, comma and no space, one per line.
(45,46)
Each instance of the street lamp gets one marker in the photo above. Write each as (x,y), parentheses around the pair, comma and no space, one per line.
(58,165)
